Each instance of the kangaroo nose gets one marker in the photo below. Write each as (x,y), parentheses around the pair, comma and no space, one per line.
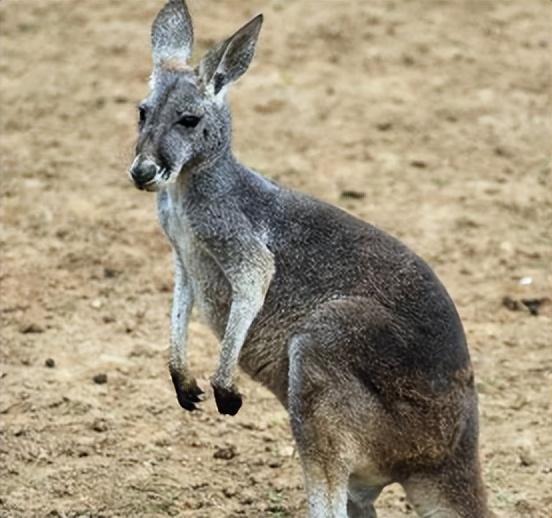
(143,171)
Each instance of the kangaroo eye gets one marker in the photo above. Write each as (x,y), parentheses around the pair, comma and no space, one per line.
(188,121)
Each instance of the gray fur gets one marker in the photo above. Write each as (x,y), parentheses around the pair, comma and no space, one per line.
(352,332)
(230,59)
(172,34)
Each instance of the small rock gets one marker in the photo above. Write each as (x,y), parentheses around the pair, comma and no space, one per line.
(62,233)
(287,451)
(419,163)
(510,303)
(248,497)
(164,287)
(527,458)
(100,379)
(384,126)
(120,99)
(353,195)
(162,441)
(129,326)
(526,452)
(50,363)
(31,327)
(228,492)
(110,273)
(270,106)
(524,507)
(99,425)
(96,304)
(502,151)
(534,305)
(225,453)
(519,402)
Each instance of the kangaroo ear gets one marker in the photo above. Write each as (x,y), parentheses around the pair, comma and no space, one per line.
(229,60)
(172,34)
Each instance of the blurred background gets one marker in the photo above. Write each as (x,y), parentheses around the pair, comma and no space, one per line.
(428,118)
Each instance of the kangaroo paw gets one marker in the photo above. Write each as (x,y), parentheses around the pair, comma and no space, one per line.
(229,401)
(187,391)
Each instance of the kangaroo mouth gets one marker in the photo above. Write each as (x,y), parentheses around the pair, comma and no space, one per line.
(150,186)
(163,176)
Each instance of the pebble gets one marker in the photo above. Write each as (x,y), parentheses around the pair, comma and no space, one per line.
(286,451)
(100,379)
(526,452)
(229,492)
(248,497)
(129,326)
(225,453)
(419,163)
(31,327)
(109,273)
(384,126)
(353,195)
(99,425)
(50,363)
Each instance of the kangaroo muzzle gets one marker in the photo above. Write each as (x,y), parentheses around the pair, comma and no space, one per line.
(143,171)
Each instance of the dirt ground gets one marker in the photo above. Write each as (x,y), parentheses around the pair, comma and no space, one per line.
(435,113)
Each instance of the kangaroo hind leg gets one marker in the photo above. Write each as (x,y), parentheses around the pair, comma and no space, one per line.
(318,442)
(361,499)
(332,416)
(453,489)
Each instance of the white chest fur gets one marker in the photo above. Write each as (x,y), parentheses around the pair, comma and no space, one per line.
(211,290)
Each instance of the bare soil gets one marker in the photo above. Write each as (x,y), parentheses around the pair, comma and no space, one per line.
(434,113)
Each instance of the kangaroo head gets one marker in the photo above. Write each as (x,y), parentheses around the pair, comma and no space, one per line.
(184,122)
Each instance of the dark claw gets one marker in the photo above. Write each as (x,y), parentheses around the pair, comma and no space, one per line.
(229,401)
(187,391)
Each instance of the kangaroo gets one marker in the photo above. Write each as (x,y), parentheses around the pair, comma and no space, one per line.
(351,331)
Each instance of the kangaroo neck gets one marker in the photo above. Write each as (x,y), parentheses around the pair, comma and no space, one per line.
(211,179)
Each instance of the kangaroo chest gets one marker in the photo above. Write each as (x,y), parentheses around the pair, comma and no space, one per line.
(211,290)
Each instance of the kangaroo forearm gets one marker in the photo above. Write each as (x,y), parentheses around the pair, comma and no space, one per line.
(242,314)
(248,267)
(180,316)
